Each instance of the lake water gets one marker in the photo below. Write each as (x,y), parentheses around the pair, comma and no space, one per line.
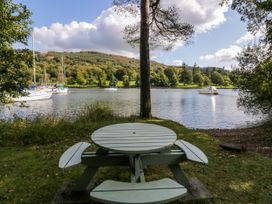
(185,106)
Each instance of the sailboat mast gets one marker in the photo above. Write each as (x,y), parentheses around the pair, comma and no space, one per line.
(34,62)
(62,66)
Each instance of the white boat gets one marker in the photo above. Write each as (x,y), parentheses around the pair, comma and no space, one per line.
(111,89)
(33,95)
(60,89)
(209,90)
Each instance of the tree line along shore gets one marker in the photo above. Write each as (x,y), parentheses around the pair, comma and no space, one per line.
(93,69)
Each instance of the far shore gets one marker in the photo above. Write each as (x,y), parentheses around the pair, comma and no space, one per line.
(153,87)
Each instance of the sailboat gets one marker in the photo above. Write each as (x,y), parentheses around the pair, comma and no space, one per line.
(60,89)
(33,94)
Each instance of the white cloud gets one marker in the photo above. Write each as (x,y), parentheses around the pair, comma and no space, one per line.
(248,37)
(177,62)
(223,55)
(203,14)
(105,33)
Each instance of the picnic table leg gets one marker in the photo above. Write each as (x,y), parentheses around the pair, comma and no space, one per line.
(179,175)
(88,174)
(85,179)
(137,172)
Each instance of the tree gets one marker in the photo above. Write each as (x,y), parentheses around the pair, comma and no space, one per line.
(254,79)
(159,79)
(257,14)
(217,78)
(14,27)
(227,80)
(253,76)
(113,81)
(126,81)
(172,76)
(102,79)
(198,79)
(166,29)
(186,77)
(138,81)
(206,80)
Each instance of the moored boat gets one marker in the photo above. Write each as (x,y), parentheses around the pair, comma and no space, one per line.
(33,95)
(111,89)
(60,89)
(209,90)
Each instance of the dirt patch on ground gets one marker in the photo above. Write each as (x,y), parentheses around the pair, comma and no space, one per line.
(257,139)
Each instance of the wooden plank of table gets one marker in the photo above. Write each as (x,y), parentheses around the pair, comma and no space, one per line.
(134,137)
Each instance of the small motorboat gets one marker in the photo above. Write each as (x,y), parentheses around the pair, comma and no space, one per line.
(209,90)
(111,89)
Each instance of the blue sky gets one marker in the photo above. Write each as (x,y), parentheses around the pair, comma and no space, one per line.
(65,25)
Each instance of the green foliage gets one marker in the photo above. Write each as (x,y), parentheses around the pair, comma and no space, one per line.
(206,80)
(256,88)
(14,27)
(102,79)
(186,76)
(171,74)
(86,68)
(50,129)
(217,78)
(126,81)
(159,79)
(257,14)
(198,79)
(112,81)
(227,81)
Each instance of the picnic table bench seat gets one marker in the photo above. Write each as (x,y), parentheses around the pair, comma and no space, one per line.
(192,152)
(160,191)
(72,156)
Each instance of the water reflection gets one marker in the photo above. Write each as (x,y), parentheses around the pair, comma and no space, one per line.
(184,106)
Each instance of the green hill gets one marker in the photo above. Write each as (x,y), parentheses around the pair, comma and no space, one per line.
(99,69)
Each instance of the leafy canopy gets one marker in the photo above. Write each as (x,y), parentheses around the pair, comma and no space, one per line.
(254,75)
(14,26)
(166,26)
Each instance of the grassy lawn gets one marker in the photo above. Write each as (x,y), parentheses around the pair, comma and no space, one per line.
(30,174)
(187,86)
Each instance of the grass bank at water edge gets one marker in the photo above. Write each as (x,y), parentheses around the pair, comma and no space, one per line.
(30,150)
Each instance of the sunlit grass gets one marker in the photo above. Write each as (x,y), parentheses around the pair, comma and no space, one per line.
(30,174)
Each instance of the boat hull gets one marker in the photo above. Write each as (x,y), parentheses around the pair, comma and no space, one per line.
(34,97)
(210,90)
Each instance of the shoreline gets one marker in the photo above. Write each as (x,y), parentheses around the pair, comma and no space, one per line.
(154,87)
(253,139)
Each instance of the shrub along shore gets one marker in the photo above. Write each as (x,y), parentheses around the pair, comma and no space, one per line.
(30,150)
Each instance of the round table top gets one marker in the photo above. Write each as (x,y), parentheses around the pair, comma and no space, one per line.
(134,138)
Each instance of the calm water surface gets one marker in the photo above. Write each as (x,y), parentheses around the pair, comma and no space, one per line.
(187,107)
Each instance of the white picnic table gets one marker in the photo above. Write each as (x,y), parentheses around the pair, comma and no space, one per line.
(134,138)
(136,145)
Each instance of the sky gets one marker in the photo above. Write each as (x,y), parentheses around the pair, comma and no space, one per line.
(66,25)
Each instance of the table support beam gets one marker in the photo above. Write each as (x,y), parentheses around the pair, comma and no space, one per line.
(179,175)
(116,159)
(85,179)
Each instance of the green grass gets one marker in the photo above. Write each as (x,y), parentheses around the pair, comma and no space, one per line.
(187,86)
(227,87)
(29,172)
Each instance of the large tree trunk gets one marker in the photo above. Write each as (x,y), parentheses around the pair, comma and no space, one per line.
(145,61)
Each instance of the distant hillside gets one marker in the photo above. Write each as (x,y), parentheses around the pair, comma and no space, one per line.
(94,68)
